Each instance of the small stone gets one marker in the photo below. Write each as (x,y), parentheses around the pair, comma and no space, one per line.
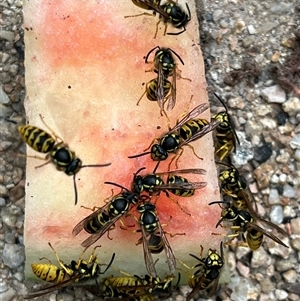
(290,276)
(243,270)
(275,57)
(248,41)
(5,57)
(282,118)
(3,287)
(288,191)
(6,35)
(267,26)
(251,29)
(266,285)
(263,153)
(4,99)
(5,111)
(291,106)
(295,225)
(284,265)
(274,94)
(16,193)
(276,214)
(3,191)
(274,197)
(10,293)
(236,102)
(281,294)
(2,202)
(296,243)
(297,155)
(295,142)
(239,26)
(260,258)
(13,255)
(282,179)
(289,43)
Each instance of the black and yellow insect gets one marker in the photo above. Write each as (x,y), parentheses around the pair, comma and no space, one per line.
(165,66)
(151,227)
(153,183)
(225,135)
(176,16)
(152,92)
(246,220)
(204,282)
(170,13)
(172,142)
(57,151)
(104,218)
(231,180)
(64,275)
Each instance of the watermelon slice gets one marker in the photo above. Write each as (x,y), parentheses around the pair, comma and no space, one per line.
(85,73)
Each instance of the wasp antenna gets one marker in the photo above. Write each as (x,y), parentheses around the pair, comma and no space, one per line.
(110,263)
(221,101)
(224,164)
(75,189)
(218,202)
(177,56)
(96,165)
(146,57)
(115,184)
(142,168)
(139,155)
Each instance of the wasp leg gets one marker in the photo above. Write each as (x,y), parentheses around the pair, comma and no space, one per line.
(45,259)
(155,139)
(92,209)
(177,203)
(176,158)
(61,263)
(193,150)
(169,233)
(142,96)
(142,14)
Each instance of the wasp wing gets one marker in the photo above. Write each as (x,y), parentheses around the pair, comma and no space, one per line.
(172,99)
(184,171)
(160,88)
(150,265)
(191,115)
(94,237)
(206,129)
(268,234)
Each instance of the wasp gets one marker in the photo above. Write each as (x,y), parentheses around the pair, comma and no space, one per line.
(64,274)
(154,94)
(206,278)
(165,66)
(245,220)
(231,180)
(225,134)
(170,12)
(103,219)
(151,228)
(172,142)
(176,16)
(177,185)
(57,151)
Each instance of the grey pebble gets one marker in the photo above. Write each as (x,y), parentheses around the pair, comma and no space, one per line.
(281,294)
(13,255)
(7,35)
(274,197)
(274,94)
(268,26)
(4,99)
(8,295)
(276,214)
(5,111)
(295,142)
(297,155)
(3,191)
(260,258)
(296,243)
(295,225)
(288,191)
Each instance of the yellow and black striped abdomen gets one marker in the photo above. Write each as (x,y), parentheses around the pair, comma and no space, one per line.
(35,137)
(49,272)
(192,127)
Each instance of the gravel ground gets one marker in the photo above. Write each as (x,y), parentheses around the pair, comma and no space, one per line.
(252,55)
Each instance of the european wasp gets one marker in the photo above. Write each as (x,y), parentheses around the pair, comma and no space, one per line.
(57,151)
(172,142)
(153,238)
(245,220)
(177,185)
(63,274)
(103,219)
(169,12)
(205,280)
(165,66)
(176,16)
(231,180)
(225,135)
